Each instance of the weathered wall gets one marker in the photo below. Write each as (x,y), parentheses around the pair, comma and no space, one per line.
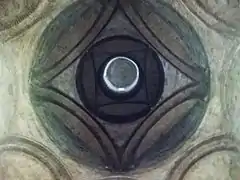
(21,25)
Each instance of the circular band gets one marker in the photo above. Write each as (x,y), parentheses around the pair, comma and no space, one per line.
(115,65)
(37,151)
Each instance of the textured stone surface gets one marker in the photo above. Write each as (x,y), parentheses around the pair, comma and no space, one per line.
(16,166)
(219,162)
(222,116)
(18,16)
(221,15)
(12,12)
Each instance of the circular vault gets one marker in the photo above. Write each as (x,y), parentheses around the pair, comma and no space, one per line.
(176,110)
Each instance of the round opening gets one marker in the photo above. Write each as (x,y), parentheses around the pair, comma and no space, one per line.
(121,75)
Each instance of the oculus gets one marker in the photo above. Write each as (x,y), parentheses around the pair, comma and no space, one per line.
(95,113)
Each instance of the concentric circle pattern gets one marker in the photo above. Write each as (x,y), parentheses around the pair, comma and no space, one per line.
(92,122)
